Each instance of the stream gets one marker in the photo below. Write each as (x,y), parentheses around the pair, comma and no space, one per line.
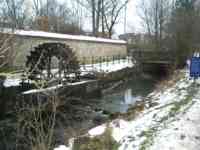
(126,95)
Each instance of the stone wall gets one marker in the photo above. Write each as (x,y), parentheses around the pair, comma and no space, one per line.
(81,48)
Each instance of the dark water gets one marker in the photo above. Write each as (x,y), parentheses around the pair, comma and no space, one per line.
(127,94)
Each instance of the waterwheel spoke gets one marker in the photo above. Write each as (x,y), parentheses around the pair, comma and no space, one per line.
(66,61)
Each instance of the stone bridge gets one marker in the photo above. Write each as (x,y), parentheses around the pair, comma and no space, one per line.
(154,61)
(153,57)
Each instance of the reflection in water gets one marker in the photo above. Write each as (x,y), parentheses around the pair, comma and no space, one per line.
(126,95)
(128,98)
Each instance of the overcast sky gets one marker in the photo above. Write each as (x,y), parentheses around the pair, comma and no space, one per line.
(133,19)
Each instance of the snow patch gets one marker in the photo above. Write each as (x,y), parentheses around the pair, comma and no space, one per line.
(108,67)
(62,147)
(183,133)
(97,131)
(12,82)
(120,129)
(54,87)
(42,90)
(64,36)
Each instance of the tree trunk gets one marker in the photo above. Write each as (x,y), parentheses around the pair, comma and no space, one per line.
(98,17)
(110,33)
(156,25)
(102,18)
(161,23)
(93,17)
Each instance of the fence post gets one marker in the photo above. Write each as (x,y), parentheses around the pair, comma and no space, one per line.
(84,63)
(92,61)
(128,58)
(107,60)
(100,61)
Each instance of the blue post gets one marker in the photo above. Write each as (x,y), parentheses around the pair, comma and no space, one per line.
(195,67)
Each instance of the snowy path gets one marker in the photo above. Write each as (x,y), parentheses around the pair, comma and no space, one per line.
(183,133)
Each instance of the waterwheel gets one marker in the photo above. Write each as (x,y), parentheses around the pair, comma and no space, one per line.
(52,61)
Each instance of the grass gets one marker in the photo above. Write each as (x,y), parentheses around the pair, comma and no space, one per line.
(102,142)
(149,138)
(133,111)
(8,70)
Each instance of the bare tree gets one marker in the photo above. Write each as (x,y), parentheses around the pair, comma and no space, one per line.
(10,17)
(6,53)
(104,13)
(55,16)
(94,9)
(184,29)
(37,5)
(15,12)
(111,12)
(76,13)
(155,15)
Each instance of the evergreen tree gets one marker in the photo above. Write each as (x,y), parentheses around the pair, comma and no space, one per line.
(183,19)
(185,4)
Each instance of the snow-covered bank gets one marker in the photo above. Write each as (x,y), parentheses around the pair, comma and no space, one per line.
(108,67)
(62,147)
(172,122)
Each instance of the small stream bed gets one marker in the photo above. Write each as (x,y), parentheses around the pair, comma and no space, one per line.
(119,99)
(127,94)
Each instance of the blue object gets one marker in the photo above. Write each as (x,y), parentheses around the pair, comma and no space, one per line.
(195,67)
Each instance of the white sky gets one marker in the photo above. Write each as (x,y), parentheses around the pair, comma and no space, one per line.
(133,19)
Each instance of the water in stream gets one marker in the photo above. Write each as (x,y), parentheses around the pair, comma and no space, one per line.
(127,94)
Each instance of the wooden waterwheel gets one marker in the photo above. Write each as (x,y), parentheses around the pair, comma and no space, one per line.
(52,61)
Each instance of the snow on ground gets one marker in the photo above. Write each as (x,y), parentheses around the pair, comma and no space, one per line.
(183,133)
(62,147)
(52,88)
(106,67)
(63,36)
(172,124)
(42,89)
(97,131)
(12,82)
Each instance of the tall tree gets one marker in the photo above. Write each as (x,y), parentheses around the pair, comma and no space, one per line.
(182,29)
(56,17)
(104,14)
(155,15)
(111,13)
(14,12)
